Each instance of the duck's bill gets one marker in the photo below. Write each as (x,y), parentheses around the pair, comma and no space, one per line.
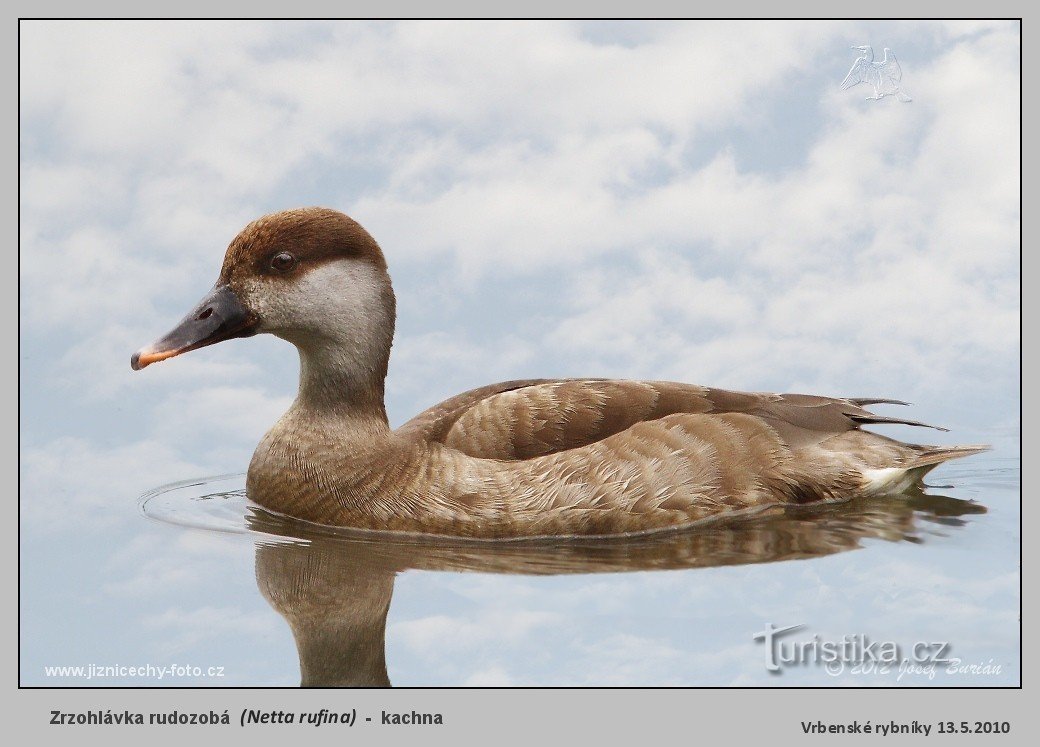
(217,317)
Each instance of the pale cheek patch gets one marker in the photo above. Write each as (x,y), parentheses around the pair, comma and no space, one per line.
(339,298)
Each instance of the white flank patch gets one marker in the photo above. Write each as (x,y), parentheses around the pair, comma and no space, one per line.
(887,480)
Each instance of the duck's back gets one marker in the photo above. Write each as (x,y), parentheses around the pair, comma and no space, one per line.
(592,456)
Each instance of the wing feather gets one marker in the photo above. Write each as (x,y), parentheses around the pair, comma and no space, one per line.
(856,74)
(890,68)
(521,420)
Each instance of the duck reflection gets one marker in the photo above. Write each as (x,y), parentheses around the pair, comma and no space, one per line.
(334,586)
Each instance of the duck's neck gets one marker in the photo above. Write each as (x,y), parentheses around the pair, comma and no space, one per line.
(343,383)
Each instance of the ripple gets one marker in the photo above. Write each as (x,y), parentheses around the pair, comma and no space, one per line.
(220,504)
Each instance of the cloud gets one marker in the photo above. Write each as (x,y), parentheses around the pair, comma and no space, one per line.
(73,484)
(688,201)
(645,200)
(156,563)
(431,367)
(491,677)
(696,627)
(218,417)
(186,629)
(440,633)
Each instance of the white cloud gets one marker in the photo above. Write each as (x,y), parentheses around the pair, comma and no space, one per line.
(690,201)
(610,163)
(157,563)
(431,367)
(440,633)
(186,629)
(491,677)
(72,484)
(218,417)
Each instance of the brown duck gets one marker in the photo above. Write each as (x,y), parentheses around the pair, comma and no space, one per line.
(524,458)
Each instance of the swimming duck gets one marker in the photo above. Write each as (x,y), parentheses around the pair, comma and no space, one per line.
(537,457)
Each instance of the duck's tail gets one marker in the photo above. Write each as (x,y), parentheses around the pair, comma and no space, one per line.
(919,463)
(929,457)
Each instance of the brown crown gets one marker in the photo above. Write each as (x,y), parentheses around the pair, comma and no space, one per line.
(312,235)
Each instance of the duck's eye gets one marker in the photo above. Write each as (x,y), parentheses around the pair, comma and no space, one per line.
(283,262)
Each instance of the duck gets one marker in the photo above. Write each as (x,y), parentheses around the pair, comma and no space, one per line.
(529,458)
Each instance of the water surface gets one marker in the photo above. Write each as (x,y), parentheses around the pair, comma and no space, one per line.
(226,593)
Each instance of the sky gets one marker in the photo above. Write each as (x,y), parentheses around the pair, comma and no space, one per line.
(686,201)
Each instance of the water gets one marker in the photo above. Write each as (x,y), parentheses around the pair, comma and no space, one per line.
(223,592)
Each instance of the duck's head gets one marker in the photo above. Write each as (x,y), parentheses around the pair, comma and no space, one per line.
(312,276)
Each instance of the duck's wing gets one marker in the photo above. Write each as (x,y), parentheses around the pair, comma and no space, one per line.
(520,420)
(433,424)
